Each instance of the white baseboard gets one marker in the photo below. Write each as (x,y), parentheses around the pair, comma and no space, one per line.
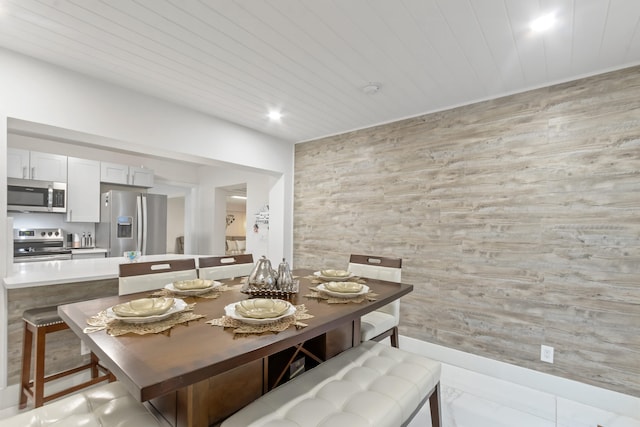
(9,400)
(557,387)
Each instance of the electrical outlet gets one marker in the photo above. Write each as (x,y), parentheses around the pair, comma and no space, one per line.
(546,353)
(84,349)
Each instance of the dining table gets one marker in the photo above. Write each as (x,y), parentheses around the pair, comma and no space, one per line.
(196,373)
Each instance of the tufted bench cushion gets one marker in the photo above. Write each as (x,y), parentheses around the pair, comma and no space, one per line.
(368,385)
(109,405)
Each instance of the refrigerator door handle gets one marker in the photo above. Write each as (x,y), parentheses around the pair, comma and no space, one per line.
(144,224)
(139,214)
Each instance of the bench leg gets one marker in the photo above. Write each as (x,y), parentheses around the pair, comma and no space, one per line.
(434,406)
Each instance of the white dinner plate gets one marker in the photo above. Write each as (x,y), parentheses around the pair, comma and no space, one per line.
(178,306)
(187,292)
(319,275)
(230,311)
(362,291)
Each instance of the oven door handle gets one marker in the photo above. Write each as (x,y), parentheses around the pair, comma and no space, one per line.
(58,257)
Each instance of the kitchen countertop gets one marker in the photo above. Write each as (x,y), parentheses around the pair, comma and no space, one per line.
(30,274)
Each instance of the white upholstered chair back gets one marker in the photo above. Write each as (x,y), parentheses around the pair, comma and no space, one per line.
(147,276)
(225,267)
(384,321)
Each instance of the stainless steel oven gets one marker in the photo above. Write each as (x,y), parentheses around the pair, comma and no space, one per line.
(39,244)
(29,195)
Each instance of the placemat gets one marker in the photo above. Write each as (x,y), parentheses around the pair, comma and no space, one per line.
(320,295)
(241,328)
(117,327)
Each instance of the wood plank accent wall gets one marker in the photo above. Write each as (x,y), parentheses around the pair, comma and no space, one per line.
(517,219)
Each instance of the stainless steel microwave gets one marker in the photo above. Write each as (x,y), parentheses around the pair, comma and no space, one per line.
(29,195)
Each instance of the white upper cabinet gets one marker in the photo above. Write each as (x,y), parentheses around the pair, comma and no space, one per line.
(83,190)
(116,173)
(27,164)
(18,163)
(141,177)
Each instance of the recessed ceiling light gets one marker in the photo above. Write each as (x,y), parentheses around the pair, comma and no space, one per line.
(543,23)
(275,115)
(239,197)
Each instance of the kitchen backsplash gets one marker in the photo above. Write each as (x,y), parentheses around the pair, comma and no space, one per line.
(49,220)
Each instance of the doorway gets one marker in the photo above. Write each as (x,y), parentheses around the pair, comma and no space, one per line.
(236,219)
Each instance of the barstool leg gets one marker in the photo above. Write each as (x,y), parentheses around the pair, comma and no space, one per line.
(27,344)
(38,377)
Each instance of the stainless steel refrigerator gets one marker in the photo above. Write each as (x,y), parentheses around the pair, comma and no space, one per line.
(132,221)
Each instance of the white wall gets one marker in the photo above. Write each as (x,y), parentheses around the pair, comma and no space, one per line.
(38,92)
(175,222)
(239,226)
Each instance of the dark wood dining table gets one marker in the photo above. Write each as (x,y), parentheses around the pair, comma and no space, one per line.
(197,374)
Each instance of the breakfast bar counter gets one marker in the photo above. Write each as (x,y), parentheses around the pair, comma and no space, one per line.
(31,274)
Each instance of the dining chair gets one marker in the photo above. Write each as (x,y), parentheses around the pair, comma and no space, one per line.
(145,276)
(225,267)
(384,321)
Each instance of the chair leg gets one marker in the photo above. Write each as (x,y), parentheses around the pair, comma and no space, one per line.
(434,406)
(27,344)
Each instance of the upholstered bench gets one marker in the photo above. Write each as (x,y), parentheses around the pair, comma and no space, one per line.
(109,405)
(368,385)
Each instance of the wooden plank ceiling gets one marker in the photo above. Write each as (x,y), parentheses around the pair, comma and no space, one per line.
(311,59)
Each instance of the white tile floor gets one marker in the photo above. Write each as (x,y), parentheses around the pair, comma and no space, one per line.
(480,401)
(472,399)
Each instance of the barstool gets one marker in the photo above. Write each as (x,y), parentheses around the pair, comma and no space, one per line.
(42,321)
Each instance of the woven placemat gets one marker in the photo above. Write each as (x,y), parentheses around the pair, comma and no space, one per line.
(241,328)
(322,296)
(117,327)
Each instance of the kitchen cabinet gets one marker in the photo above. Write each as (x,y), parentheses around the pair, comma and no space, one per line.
(116,173)
(141,177)
(83,190)
(27,164)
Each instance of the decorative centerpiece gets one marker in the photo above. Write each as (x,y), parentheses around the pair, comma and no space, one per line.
(264,281)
